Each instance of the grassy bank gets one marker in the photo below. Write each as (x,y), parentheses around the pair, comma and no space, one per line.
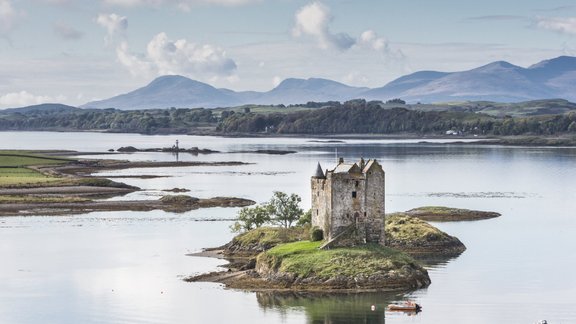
(305,259)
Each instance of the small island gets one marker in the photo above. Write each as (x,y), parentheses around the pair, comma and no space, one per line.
(341,244)
(446,214)
(276,258)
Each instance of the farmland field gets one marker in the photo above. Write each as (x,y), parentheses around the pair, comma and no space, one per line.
(14,168)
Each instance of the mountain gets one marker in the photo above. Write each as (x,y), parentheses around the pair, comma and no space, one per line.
(41,109)
(497,81)
(170,91)
(294,91)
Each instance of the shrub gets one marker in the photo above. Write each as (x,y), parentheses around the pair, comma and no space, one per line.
(316,234)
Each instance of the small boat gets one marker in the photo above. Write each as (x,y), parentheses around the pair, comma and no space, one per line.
(408,306)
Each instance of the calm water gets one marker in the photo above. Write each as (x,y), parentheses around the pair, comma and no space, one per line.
(126,267)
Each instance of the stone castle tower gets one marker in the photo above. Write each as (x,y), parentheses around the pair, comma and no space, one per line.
(348,203)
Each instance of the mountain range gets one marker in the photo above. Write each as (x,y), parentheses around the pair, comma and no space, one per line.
(498,81)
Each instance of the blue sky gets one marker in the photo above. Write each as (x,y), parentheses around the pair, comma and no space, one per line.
(75,51)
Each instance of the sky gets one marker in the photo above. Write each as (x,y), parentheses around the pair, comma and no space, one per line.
(76,51)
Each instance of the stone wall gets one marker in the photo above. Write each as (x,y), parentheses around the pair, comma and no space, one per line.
(346,209)
(342,199)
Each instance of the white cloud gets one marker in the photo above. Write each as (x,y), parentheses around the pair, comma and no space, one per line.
(66,31)
(136,65)
(114,24)
(313,20)
(165,56)
(564,25)
(371,40)
(24,98)
(8,16)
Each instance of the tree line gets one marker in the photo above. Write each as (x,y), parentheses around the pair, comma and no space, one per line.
(174,120)
(358,118)
(332,117)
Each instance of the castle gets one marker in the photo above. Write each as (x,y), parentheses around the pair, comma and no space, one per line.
(348,203)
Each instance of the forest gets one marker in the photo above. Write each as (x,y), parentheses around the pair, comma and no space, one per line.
(351,117)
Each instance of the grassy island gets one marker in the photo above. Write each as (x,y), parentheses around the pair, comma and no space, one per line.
(303,266)
(275,258)
(445,214)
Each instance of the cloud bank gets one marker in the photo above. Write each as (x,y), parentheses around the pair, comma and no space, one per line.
(313,21)
(165,56)
(563,25)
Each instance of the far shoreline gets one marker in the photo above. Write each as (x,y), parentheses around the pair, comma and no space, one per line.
(520,140)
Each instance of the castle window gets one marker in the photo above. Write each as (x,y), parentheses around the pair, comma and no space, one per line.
(356,184)
(353,194)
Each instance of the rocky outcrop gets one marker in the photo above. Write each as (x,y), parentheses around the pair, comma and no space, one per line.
(416,237)
(446,214)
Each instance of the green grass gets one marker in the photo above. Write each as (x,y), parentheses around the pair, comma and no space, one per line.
(14,171)
(270,236)
(22,158)
(305,259)
(437,210)
(23,176)
(401,227)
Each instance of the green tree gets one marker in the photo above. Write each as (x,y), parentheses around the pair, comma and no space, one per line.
(285,208)
(251,217)
(305,218)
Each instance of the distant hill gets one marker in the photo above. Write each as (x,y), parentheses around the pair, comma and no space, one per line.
(178,91)
(498,81)
(47,108)
(294,91)
(170,91)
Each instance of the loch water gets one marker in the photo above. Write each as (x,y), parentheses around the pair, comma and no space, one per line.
(127,267)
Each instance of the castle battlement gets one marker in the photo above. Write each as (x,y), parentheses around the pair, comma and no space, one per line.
(350,199)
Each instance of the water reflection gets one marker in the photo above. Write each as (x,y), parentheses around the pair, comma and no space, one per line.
(332,308)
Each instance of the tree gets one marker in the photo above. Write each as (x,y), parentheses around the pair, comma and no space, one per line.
(251,217)
(305,218)
(285,208)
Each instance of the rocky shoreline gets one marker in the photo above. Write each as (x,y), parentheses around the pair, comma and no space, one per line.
(78,191)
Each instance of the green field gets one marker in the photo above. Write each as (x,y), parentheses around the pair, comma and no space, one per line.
(14,169)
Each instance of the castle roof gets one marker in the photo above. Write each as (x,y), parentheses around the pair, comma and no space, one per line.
(347,168)
(319,172)
(369,165)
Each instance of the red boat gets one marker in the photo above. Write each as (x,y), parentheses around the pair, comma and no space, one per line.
(408,306)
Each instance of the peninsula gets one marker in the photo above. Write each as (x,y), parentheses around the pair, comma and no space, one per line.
(44,183)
